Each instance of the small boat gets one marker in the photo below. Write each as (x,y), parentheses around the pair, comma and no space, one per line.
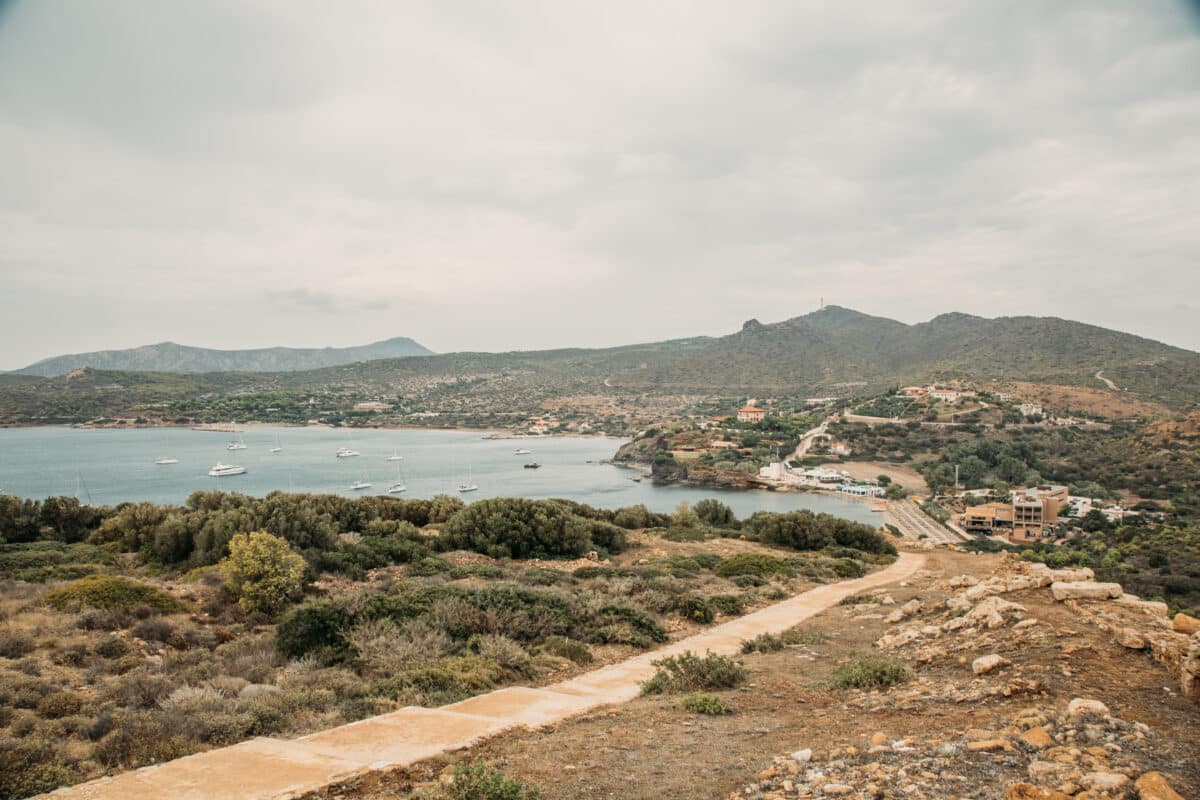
(220,470)
(533,465)
(166,460)
(467,487)
(637,479)
(360,485)
(397,488)
(346,452)
(277,448)
(395,456)
(522,452)
(236,446)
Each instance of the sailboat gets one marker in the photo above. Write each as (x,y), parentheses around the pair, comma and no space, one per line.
(236,444)
(468,485)
(395,456)
(359,485)
(399,486)
(522,452)
(346,452)
(277,448)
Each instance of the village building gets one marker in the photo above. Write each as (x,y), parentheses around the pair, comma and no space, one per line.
(946,395)
(840,449)
(1030,518)
(751,414)
(914,391)
(372,406)
(1030,409)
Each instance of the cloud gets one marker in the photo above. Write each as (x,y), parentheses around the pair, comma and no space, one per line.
(264,172)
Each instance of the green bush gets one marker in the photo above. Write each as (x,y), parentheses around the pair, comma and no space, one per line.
(695,609)
(688,672)
(15,643)
(729,604)
(314,629)
(769,643)
(759,564)
(30,766)
(715,513)
(513,527)
(112,593)
(477,781)
(262,571)
(871,672)
(563,647)
(704,703)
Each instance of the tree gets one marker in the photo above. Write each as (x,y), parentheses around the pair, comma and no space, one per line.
(714,512)
(684,516)
(262,571)
(883,480)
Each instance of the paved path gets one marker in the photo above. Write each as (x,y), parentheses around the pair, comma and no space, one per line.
(915,523)
(276,769)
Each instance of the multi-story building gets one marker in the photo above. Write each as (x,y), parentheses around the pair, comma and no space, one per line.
(751,414)
(1031,516)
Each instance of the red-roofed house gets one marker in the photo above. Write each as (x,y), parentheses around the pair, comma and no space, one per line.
(751,414)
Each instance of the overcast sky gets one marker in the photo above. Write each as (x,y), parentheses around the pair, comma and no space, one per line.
(520,175)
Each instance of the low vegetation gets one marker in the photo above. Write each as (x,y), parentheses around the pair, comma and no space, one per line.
(689,672)
(705,703)
(871,672)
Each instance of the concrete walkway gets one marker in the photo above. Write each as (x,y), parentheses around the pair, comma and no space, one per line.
(274,769)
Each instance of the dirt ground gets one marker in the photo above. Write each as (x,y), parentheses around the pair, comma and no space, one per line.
(651,748)
(906,476)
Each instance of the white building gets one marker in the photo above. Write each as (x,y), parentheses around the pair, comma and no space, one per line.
(1030,409)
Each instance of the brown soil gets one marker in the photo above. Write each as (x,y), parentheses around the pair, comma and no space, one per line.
(1103,402)
(906,476)
(651,748)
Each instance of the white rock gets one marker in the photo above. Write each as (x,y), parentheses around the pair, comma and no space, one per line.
(985,664)
(1085,590)
(1083,707)
(1104,781)
(802,756)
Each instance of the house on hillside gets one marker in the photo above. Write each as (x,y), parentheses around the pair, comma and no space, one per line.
(751,414)
(839,449)
(946,395)
(1030,409)
(372,406)
(914,391)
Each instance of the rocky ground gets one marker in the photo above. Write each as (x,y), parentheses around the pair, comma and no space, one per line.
(1026,683)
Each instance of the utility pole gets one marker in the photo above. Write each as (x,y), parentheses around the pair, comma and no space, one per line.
(956,477)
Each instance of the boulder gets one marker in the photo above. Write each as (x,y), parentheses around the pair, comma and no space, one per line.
(1185,624)
(1189,669)
(1111,782)
(1072,575)
(1131,638)
(1085,590)
(986,664)
(1038,738)
(1084,707)
(1151,607)
(1153,786)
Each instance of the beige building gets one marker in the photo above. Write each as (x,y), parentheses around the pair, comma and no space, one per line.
(1030,518)
(751,414)
(372,406)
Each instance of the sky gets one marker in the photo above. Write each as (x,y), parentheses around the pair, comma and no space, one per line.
(496,176)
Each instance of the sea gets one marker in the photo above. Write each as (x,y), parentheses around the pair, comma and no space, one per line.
(107,466)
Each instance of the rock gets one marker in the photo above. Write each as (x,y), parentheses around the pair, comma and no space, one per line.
(1151,607)
(1189,669)
(1131,638)
(1046,771)
(989,745)
(837,789)
(1038,738)
(985,664)
(1112,782)
(879,738)
(1185,624)
(1072,575)
(1153,786)
(1027,791)
(802,756)
(1025,623)
(1081,707)
(1085,590)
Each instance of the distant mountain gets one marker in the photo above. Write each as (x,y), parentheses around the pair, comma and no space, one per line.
(832,352)
(171,357)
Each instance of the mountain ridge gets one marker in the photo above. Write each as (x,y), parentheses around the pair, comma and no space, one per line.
(170,356)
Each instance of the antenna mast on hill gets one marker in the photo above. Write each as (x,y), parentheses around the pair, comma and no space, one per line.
(822,303)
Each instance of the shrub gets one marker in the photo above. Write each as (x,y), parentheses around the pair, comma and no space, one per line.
(563,647)
(696,609)
(684,516)
(15,643)
(512,527)
(688,672)
(262,571)
(729,604)
(759,564)
(615,624)
(58,704)
(871,672)
(503,651)
(477,781)
(314,628)
(704,703)
(29,767)
(111,593)
(769,643)
(153,630)
(714,512)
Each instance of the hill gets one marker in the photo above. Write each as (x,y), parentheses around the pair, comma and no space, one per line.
(171,357)
(832,352)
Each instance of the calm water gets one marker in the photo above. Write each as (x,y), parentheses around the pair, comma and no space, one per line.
(111,466)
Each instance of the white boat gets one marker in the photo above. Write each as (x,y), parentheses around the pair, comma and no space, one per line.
(395,456)
(522,452)
(237,444)
(467,487)
(166,460)
(220,470)
(399,486)
(360,485)
(277,448)
(346,452)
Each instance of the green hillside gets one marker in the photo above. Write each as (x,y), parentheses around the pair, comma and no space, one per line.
(835,351)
